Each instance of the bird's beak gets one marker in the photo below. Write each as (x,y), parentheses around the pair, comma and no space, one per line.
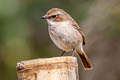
(44,17)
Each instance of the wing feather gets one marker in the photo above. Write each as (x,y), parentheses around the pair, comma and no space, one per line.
(78,28)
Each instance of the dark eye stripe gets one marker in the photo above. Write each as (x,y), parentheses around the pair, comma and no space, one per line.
(53,16)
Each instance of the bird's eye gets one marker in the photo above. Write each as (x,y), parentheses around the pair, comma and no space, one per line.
(53,16)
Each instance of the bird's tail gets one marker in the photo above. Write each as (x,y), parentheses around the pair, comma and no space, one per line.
(84,59)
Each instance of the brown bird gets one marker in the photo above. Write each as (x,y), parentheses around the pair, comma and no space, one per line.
(66,34)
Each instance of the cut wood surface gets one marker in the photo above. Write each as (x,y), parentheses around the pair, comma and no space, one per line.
(56,68)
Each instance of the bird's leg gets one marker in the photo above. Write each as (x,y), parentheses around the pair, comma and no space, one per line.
(62,53)
(73,53)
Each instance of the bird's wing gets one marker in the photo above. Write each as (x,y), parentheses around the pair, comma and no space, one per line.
(78,28)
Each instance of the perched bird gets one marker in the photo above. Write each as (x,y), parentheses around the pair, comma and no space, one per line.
(66,34)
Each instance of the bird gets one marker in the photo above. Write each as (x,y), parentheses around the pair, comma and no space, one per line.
(66,34)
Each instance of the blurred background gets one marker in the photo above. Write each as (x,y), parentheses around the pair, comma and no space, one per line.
(24,36)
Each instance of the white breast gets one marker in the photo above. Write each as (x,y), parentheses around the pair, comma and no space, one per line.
(64,35)
(63,27)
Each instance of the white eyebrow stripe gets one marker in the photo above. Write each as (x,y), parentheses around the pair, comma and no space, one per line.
(58,12)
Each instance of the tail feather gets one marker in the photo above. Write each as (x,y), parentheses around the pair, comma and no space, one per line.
(84,60)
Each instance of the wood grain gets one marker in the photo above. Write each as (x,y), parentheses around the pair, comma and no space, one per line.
(56,68)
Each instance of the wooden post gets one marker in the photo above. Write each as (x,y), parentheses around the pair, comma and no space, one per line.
(56,68)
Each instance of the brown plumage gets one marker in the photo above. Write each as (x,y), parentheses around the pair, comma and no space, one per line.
(66,34)
(84,59)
